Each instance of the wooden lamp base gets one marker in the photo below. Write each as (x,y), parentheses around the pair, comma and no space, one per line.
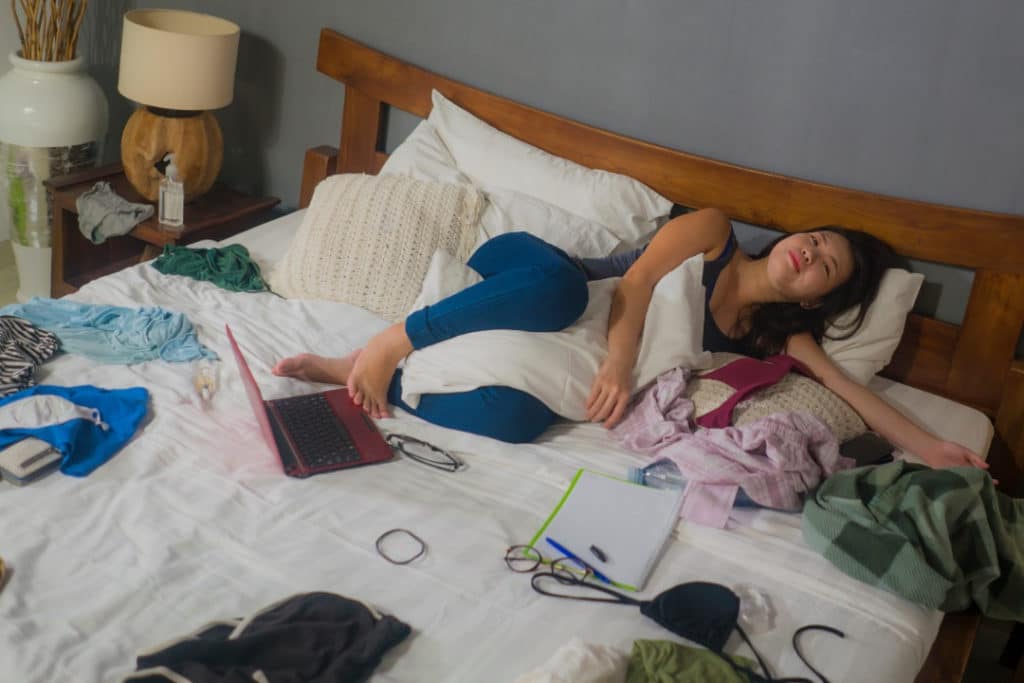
(193,137)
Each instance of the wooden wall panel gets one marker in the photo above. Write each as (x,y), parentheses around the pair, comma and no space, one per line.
(1010,418)
(318,163)
(988,338)
(923,357)
(361,133)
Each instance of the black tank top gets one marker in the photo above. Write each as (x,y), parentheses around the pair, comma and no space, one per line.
(616,266)
(714,339)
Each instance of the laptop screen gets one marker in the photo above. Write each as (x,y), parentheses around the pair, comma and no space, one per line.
(253,391)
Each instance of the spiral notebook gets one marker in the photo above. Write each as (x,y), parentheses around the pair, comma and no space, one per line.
(618,527)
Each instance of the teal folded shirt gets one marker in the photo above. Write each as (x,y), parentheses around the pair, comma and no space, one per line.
(115,334)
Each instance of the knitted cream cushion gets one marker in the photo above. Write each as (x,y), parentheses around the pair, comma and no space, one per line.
(793,393)
(367,240)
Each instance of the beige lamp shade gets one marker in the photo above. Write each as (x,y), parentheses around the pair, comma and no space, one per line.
(173,59)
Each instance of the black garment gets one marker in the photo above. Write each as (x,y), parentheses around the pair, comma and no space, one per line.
(714,339)
(312,637)
(616,266)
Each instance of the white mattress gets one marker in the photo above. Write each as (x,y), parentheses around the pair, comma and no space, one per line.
(193,521)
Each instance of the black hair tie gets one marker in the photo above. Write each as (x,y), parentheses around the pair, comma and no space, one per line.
(380,549)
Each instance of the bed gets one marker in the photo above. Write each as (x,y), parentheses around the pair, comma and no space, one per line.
(193,521)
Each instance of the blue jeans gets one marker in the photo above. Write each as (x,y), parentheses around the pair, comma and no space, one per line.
(527,285)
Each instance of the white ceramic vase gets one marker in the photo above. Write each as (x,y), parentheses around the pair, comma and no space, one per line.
(53,120)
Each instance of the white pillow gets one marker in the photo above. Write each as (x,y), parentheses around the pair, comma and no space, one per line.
(509,211)
(870,349)
(423,155)
(489,157)
(367,240)
(557,367)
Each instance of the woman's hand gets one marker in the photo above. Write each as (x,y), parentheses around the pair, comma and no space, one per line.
(941,454)
(610,392)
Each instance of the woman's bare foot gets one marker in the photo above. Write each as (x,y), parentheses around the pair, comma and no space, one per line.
(313,368)
(371,374)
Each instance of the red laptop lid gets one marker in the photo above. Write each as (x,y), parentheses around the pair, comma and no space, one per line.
(253,391)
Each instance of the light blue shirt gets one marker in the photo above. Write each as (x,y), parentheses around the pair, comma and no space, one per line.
(114,334)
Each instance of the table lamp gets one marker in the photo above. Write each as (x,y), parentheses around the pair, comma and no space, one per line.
(178,65)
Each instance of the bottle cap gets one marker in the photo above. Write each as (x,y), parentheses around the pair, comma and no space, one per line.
(635,475)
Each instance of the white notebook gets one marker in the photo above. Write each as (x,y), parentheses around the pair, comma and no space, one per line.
(617,527)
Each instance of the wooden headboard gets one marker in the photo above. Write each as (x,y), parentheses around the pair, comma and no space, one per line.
(971,363)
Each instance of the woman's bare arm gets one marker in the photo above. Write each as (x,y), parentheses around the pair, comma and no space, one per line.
(877,413)
(701,232)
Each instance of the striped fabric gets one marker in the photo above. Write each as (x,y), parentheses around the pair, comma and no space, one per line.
(23,347)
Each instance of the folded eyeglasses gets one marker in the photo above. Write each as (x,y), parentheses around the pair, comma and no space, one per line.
(424,453)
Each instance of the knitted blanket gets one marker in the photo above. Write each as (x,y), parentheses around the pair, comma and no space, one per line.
(941,538)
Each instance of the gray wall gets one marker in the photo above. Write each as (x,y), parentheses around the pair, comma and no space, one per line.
(8,39)
(921,98)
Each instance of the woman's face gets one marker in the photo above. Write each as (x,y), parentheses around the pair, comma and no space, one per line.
(806,266)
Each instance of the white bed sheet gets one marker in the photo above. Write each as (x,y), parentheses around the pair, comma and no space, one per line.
(193,521)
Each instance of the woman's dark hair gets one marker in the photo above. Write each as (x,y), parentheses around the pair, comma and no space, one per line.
(772,324)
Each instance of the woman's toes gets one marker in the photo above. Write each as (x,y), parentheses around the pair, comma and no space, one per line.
(286,367)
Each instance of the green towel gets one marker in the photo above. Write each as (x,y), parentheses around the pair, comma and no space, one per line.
(228,267)
(941,538)
(664,661)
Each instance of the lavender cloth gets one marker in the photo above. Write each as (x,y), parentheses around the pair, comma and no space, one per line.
(776,459)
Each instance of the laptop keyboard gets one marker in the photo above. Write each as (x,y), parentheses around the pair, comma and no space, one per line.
(320,437)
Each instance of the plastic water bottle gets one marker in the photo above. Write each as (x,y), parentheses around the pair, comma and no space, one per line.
(664,474)
(660,474)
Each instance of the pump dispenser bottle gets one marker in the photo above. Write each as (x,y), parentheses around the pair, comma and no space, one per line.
(172,197)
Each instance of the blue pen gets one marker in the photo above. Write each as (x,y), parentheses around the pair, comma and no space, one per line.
(565,551)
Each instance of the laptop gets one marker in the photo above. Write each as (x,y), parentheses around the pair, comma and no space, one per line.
(313,433)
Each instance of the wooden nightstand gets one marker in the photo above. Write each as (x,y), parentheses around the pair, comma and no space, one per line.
(218,214)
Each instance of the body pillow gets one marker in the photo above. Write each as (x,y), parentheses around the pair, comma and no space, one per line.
(557,367)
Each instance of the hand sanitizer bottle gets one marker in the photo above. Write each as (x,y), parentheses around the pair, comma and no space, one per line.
(172,197)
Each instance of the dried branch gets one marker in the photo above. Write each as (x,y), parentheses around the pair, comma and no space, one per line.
(73,41)
(48,29)
(17,22)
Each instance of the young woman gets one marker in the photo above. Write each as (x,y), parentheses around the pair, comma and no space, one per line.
(779,301)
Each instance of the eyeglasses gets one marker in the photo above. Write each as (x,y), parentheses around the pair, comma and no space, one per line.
(424,453)
(525,559)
